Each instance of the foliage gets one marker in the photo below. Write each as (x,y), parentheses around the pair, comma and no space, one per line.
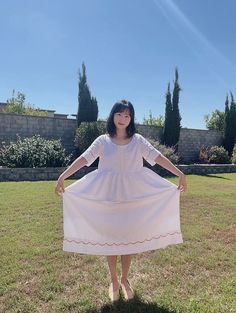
(172,124)
(18,105)
(203,155)
(167,131)
(94,109)
(87,105)
(215,121)
(218,155)
(151,120)
(166,151)
(34,152)
(214,155)
(86,133)
(175,107)
(230,125)
(234,155)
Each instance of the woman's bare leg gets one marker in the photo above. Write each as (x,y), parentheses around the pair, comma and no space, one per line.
(125,263)
(112,260)
(125,285)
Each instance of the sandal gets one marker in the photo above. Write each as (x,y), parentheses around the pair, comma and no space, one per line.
(114,295)
(127,291)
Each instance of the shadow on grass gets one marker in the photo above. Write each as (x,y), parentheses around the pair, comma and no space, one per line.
(136,305)
(214,176)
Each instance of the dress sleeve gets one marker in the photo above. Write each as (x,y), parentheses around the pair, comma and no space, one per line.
(149,153)
(93,151)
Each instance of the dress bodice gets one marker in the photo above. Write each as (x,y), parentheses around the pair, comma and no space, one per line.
(121,158)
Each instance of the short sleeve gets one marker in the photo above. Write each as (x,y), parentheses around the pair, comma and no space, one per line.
(93,151)
(149,153)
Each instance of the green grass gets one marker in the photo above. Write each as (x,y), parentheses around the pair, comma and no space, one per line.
(196,276)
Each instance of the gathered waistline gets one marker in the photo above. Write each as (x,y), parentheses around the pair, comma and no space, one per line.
(103,170)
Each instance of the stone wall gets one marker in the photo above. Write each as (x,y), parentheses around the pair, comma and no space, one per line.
(42,174)
(47,127)
(191,140)
(152,132)
(37,174)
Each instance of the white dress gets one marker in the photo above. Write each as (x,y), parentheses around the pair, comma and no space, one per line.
(122,207)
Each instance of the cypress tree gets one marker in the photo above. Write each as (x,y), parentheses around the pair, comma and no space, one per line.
(228,131)
(94,108)
(234,123)
(167,131)
(232,112)
(172,125)
(87,108)
(175,107)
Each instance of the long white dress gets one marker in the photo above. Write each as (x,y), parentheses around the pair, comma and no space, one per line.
(122,207)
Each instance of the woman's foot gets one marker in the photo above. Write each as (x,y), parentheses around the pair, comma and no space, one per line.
(114,291)
(127,289)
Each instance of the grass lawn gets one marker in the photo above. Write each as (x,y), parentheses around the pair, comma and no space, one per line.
(196,276)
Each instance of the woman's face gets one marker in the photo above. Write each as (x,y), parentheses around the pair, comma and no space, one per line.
(122,119)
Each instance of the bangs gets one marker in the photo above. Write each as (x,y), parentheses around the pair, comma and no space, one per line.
(121,107)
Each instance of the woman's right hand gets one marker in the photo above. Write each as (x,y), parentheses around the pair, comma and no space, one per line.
(60,187)
(182,183)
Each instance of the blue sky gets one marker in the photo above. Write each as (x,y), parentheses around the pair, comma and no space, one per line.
(130,49)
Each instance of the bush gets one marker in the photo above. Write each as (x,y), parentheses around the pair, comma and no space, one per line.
(203,155)
(86,133)
(234,155)
(168,152)
(214,155)
(34,152)
(218,155)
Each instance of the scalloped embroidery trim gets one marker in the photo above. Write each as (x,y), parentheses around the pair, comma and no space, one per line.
(119,244)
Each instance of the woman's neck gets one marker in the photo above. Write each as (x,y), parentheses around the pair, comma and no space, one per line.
(121,134)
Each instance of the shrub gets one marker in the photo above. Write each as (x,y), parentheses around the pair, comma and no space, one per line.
(34,152)
(234,155)
(218,155)
(203,155)
(214,155)
(166,151)
(102,127)
(86,133)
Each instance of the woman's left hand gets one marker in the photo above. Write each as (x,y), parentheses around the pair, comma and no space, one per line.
(59,189)
(182,183)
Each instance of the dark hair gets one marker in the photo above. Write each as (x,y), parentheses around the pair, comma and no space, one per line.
(121,106)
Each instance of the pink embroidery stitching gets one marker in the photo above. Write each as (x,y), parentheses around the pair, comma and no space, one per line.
(119,244)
